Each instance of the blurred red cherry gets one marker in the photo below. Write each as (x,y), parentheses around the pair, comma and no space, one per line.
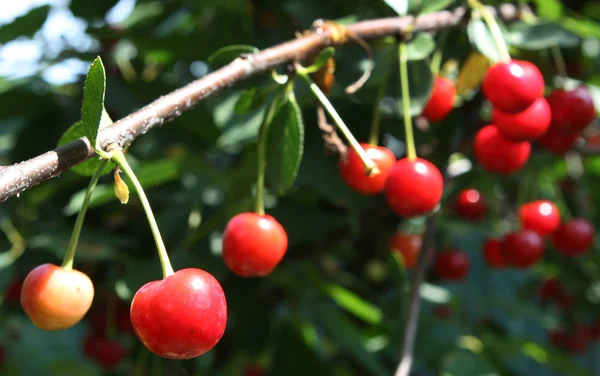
(492,252)
(574,237)
(471,205)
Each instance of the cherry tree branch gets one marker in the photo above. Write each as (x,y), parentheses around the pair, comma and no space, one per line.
(16,178)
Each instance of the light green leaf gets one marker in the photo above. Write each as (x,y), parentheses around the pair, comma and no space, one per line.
(481,38)
(420,47)
(541,35)
(285,145)
(435,6)
(355,304)
(93,100)
(226,54)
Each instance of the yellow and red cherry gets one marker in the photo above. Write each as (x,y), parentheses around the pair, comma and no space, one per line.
(408,246)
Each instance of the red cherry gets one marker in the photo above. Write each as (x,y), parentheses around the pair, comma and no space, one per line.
(523,248)
(253,244)
(513,86)
(574,237)
(593,331)
(353,171)
(13,291)
(414,187)
(572,110)
(451,265)
(492,251)
(441,102)
(408,246)
(106,353)
(576,341)
(497,154)
(540,216)
(470,204)
(182,316)
(55,298)
(527,125)
(550,289)
(556,142)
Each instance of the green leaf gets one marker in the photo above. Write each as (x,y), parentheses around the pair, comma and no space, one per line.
(285,146)
(541,35)
(399,6)
(481,38)
(252,99)
(420,47)
(435,6)
(75,132)
(467,363)
(321,59)
(420,84)
(26,25)
(355,304)
(226,54)
(93,100)
(91,9)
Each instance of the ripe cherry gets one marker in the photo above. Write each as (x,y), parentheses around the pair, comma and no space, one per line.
(452,265)
(106,353)
(492,252)
(549,289)
(556,142)
(253,244)
(470,204)
(414,187)
(572,110)
(13,291)
(522,249)
(527,125)
(182,316)
(441,101)
(353,171)
(408,246)
(574,237)
(55,298)
(497,154)
(540,216)
(576,340)
(513,86)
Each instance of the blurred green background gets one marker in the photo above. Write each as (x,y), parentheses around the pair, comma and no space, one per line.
(337,302)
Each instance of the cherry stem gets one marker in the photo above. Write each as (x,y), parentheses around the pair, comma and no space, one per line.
(72,247)
(262,154)
(408,129)
(370,167)
(494,29)
(118,158)
(559,60)
(376,122)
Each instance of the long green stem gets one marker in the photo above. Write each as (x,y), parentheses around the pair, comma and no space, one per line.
(370,167)
(72,247)
(121,161)
(262,155)
(408,129)
(376,122)
(494,29)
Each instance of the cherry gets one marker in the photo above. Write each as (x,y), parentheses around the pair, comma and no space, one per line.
(414,187)
(13,291)
(441,101)
(574,237)
(549,289)
(492,252)
(253,244)
(497,154)
(522,249)
(106,353)
(451,265)
(408,246)
(470,204)
(182,316)
(540,216)
(55,298)
(527,125)
(353,171)
(576,341)
(254,371)
(572,110)
(556,142)
(513,86)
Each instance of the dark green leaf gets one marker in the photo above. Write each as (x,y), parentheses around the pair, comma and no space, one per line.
(542,35)
(91,9)
(399,6)
(420,47)
(291,347)
(93,100)
(87,168)
(420,83)
(252,99)
(285,146)
(228,53)
(481,38)
(25,25)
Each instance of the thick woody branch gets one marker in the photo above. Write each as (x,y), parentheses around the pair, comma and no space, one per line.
(16,178)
